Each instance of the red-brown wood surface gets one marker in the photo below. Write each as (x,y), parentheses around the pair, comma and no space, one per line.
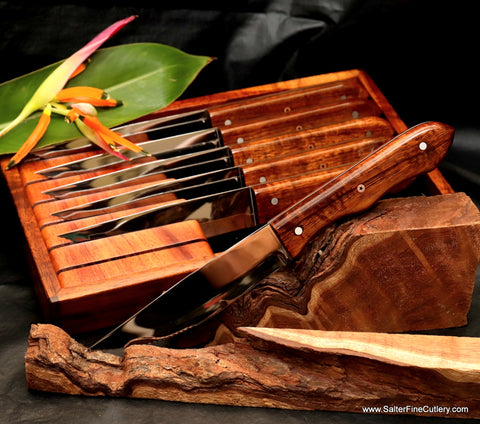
(305,140)
(397,267)
(286,102)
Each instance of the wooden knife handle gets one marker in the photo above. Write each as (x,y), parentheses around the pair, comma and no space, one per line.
(416,151)
(301,120)
(285,102)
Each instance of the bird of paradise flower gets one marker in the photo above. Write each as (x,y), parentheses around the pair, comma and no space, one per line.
(76,104)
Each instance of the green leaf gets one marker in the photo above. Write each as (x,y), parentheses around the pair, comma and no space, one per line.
(145,76)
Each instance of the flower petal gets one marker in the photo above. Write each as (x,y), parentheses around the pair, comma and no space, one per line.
(79,70)
(33,138)
(96,138)
(59,77)
(94,123)
(72,92)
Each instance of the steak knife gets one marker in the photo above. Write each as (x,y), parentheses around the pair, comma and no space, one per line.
(251,153)
(322,158)
(232,135)
(218,211)
(237,270)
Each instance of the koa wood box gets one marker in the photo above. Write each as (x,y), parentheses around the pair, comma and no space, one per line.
(407,264)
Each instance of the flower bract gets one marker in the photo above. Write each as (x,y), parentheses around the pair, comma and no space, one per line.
(52,97)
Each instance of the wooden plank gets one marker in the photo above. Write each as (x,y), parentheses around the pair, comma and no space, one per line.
(436,376)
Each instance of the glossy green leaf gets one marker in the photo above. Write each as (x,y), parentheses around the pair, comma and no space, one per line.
(145,76)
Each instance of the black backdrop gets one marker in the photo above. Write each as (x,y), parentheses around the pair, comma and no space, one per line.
(422,54)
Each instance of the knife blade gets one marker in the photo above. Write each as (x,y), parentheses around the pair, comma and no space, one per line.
(323,158)
(252,152)
(286,167)
(218,213)
(214,286)
(165,148)
(233,112)
(268,126)
(229,215)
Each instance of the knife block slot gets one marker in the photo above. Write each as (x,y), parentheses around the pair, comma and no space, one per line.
(124,254)
(99,283)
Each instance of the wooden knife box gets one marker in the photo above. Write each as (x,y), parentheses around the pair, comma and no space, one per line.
(112,280)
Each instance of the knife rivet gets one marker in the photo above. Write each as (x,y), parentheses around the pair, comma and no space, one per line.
(298,231)
(240,140)
(360,188)
(228,122)
(263,180)
(299,128)
(355,114)
(274,201)
(287,109)
(368,133)
(422,146)
(249,160)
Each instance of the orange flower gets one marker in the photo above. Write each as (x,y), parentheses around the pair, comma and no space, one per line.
(95,138)
(91,95)
(51,92)
(33,138)
(110,137)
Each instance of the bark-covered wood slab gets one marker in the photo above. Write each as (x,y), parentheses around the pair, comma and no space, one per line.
(407,264)
(294,369)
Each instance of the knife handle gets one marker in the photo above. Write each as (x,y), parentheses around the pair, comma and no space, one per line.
(416,151)
(304,119)
(285,102)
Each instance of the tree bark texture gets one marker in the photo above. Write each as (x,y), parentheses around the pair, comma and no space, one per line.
(268,370)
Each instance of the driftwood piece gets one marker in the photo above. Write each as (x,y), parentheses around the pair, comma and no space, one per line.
(294,369)
(407,264)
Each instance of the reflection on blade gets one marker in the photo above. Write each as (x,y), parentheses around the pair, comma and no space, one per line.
(133,198)
(160,149)
(212,212)
(210,289)
(204,160)
(166,126)
(180,194)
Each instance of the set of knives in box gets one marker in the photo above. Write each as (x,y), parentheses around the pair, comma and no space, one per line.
(107,236)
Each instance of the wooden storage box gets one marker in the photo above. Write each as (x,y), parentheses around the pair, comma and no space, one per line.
(113,281)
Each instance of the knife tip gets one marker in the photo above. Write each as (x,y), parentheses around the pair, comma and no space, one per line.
(75,236)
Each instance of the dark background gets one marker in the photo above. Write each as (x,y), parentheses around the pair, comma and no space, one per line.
(423,55)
